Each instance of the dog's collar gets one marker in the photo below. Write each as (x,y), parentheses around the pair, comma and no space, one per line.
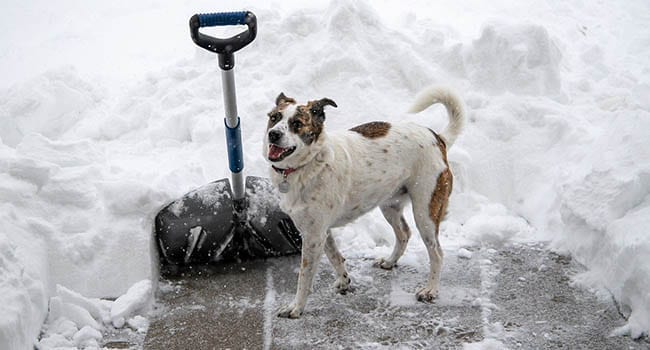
(284,172)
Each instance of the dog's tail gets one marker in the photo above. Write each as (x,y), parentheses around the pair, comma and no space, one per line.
(453,105)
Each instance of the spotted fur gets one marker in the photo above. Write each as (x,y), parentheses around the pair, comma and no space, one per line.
(334,178)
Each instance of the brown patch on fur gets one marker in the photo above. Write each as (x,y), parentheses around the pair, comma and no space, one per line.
(444,184)
(372,130)
(305,126)
(281,103)
(442,145)
(309,120)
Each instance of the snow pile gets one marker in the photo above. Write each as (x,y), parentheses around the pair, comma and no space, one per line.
(607,211)
(47,105)
(522,59)
(107,130)
(75,321)
(23,315)
(67,219)
(136,298)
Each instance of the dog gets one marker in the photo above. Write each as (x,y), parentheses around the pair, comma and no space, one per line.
(329,180)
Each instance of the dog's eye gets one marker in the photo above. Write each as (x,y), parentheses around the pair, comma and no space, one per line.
(275,117)
(296,124)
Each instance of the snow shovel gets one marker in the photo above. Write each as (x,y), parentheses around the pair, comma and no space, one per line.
(217,222)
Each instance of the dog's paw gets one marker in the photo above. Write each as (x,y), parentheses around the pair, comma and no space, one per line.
(384,264)
(427,295)
(342,285)
(290,311)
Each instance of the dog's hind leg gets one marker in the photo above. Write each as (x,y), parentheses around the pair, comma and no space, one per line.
(342,284)
(429,233)
(428,213)
(392,211)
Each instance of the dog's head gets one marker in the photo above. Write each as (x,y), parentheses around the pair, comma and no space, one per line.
(294,131)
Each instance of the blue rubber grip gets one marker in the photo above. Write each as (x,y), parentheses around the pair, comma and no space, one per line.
(222,19)
(235,149)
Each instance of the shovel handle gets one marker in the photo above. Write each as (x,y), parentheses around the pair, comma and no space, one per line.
(224,47)
(222,19)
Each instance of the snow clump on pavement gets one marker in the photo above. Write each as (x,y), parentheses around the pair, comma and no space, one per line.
(75,321)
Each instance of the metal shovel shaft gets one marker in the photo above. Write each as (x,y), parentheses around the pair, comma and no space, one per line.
(233,133)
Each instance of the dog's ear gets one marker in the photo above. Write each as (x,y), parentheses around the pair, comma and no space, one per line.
(283,99)
(316,108)
(324,102)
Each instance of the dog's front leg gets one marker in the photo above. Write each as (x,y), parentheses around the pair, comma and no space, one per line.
(312,250)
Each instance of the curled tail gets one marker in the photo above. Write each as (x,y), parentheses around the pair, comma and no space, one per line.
(453,105)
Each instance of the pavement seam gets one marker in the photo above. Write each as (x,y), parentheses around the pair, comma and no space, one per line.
(489,272)
(269,308)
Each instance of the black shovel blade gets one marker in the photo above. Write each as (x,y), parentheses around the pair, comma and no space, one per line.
(196,227)
(207,226)
(270,228)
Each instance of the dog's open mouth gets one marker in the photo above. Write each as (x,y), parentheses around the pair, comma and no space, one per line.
(277,153)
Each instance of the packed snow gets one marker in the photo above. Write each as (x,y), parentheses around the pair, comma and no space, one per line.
(75,321)
(109,112)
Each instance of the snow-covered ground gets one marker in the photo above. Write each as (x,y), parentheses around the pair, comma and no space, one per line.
(108,111)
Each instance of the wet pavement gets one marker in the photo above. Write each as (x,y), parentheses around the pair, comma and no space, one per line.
(520,296)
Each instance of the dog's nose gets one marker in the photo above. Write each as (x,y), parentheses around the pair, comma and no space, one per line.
(275,136)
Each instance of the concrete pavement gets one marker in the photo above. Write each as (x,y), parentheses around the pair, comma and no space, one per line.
(520,296)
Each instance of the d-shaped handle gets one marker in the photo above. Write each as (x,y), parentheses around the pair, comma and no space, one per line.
(224,47)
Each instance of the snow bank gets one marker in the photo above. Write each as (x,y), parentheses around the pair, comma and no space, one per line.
(48,105)
(607,213)
(556,146)
(522,59)
(23,299)
(87,212)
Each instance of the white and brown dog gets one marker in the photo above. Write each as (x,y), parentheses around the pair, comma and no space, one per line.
(329,180)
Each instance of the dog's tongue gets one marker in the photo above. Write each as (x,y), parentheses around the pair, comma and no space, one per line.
(275,152)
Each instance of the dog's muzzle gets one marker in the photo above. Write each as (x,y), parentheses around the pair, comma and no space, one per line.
(276,152)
